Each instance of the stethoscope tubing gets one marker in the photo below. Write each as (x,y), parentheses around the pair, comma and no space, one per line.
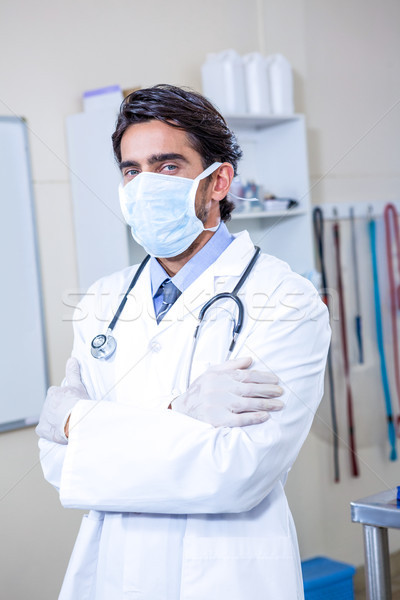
(232,296)
(130,288)
(104,346)
(237,323)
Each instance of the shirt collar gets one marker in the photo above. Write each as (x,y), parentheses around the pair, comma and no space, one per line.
(205,257)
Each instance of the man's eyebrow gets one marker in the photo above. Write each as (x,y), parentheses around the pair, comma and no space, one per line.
(156,158)
(128,163)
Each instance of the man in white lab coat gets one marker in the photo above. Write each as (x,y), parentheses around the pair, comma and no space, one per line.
(184,480)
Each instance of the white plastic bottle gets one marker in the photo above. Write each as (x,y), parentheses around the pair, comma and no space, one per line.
(257,83)
(281,85)
(223,81)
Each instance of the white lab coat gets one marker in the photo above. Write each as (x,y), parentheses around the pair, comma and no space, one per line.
(180,510)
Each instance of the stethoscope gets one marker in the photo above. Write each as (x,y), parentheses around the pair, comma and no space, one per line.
(103,345)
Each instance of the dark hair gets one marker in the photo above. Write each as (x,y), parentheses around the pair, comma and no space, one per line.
(205,127)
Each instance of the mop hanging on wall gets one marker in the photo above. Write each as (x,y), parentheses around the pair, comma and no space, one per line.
(357,318)
(346,362)
(379,335)
(392,224)
(318,221)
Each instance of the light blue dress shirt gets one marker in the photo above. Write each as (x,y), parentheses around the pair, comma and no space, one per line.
(193,268)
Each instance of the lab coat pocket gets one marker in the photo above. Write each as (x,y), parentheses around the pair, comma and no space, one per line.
(239,568)
(80,579)
(151,556)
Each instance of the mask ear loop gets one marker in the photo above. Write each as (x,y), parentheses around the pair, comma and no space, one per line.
(241,197)
(208,171)
(195,186)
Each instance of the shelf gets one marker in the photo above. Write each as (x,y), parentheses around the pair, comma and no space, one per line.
(259,121)
(268,214)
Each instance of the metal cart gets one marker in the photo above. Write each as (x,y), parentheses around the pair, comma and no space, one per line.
(377,513)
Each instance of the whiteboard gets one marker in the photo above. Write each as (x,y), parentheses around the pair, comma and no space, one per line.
(23,364)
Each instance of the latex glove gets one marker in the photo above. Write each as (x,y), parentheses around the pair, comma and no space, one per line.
(230,395)
(59,403)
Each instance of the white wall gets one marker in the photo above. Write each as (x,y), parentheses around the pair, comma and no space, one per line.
(344,54)
(352,98)
(351,84)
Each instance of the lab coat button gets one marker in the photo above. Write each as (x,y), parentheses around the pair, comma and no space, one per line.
(155,346)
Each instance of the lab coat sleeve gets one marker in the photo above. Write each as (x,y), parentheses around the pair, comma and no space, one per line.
(122,459)
(52,455)
(52,459)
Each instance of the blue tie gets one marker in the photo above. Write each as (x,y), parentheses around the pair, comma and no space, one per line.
(170,294)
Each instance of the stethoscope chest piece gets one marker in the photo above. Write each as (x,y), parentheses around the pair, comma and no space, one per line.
(103,346)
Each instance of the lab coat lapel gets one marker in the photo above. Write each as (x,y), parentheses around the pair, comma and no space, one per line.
(159,354)
(134,332)
(181,320)
(221,276)
(216,330)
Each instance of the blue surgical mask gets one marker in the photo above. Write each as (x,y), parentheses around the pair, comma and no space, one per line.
(160,210)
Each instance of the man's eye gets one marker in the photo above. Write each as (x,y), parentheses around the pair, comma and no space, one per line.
(169,168)
(131,173)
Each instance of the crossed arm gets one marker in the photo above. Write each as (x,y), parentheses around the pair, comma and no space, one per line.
(228,395)
(185,460)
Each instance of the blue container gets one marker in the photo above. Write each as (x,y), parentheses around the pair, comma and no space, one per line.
(326,579)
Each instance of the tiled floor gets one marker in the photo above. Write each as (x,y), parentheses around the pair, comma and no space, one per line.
(396,588)
(359,585)
(360,594)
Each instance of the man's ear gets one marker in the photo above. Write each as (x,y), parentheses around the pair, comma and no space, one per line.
(222,181)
